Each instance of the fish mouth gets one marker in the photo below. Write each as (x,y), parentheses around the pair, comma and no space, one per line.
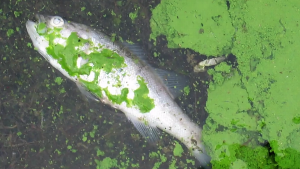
(31,29)
(40,18)
(32,25)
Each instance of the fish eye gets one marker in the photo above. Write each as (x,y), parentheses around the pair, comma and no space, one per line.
(57,21)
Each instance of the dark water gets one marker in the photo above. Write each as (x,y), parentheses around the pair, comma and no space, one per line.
(44,120)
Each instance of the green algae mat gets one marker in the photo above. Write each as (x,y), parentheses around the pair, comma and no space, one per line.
(254,110)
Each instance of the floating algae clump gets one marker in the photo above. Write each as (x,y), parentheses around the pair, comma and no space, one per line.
(257,103)
(193,24)
(260,101)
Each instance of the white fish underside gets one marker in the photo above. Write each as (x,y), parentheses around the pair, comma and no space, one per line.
(166,115)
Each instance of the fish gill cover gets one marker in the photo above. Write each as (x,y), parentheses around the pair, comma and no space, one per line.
(254,118)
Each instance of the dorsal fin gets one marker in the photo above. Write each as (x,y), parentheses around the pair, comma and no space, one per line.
(174,82)
(136,50)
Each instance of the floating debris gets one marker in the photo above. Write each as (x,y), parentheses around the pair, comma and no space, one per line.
(200,67)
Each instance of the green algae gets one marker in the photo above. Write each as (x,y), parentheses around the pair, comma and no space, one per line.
(237,156)
(178,149)
(67,55)
(106,163)
(106,60)
(239,164)
(58,80)
(100,153)
(41,28)
(141,98)
(186,90)
(160,156)
(296,120)
(228,105)
(223,67)
(133,15)
(118,99)
(193,24)
(257,102)
(266,55)
(10,32)
(93,87)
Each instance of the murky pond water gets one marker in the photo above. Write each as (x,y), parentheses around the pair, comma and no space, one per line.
(247,106)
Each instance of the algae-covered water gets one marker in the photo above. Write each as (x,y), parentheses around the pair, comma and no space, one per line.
(248,106)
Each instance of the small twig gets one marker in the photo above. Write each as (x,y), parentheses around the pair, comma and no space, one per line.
(6,127)
(195,102)
(19,145)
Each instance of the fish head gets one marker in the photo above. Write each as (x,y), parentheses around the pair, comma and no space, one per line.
(62,43)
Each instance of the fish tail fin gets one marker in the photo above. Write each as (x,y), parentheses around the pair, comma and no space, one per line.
(201,155)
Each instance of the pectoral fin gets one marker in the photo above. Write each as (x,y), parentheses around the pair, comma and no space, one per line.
(150,133)
(85,92)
